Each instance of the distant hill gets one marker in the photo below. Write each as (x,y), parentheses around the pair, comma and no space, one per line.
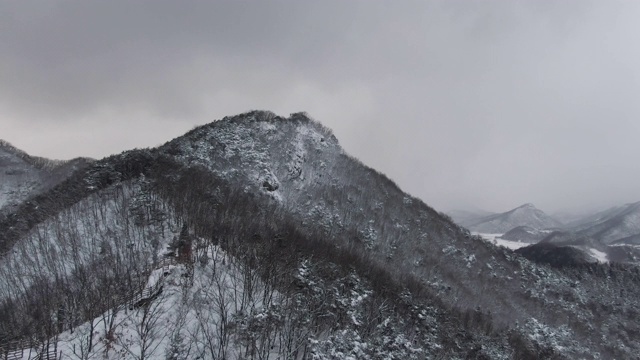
(525,234)
(629,240)
(525,215)
(623,223)
(613,233)
(23,175)
(588,220)
(556,256)
(619,225)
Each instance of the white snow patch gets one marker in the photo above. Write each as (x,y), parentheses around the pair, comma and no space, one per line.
(599,255)
(495,239)
(627,245)
(215,300)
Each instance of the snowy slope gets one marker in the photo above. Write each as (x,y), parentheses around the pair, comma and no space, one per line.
(18,178)
(276,160)
(218,310)
(589,220)
(106,225)
(525,234)
(499,241)
(184,319)
(22,175)
(619,225)
(633,240)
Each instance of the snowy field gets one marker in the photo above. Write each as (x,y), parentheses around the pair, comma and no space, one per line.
(597,255)
(494,239)
(600,256)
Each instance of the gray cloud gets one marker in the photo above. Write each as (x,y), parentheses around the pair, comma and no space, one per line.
(491,104)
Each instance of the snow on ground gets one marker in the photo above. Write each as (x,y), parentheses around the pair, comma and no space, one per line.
(148,327)
(599,255)
(77,235)
(495,239)
(627,245)
(188,318)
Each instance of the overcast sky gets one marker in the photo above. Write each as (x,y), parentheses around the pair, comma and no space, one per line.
(486,104)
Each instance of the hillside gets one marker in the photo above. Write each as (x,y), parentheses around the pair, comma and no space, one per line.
(623,223)
(614,232)
(316,255)
(581,222)
(525,234)
(23,175)
(524,215)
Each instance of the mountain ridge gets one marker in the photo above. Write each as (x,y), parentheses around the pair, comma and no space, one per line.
(23,175)
(281,192)
(523,215)
(608,226)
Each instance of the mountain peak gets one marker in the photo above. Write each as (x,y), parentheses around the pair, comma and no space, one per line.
(261,149)
(527,206)
(524,215)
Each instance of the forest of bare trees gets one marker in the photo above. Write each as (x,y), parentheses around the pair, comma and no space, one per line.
(282,292)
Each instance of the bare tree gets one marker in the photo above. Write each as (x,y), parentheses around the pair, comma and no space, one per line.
(148,334)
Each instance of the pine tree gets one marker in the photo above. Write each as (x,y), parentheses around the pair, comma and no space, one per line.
(177,349)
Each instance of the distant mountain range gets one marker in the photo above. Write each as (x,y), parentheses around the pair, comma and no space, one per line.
(611,234)
(525,234)
(613,225)
(615,231)
(619,226)
(524,215)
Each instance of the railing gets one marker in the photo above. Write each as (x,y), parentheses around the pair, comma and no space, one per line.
(11,350)
(137,298)
(34,350)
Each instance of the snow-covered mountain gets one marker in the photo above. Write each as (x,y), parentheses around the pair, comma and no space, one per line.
(524,215)
(587,220)
(258,237)
(615,225)
(22,175)
(633,240)
(618,225)
(614,232)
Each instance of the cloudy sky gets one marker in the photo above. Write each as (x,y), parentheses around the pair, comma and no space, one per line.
(486,104)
